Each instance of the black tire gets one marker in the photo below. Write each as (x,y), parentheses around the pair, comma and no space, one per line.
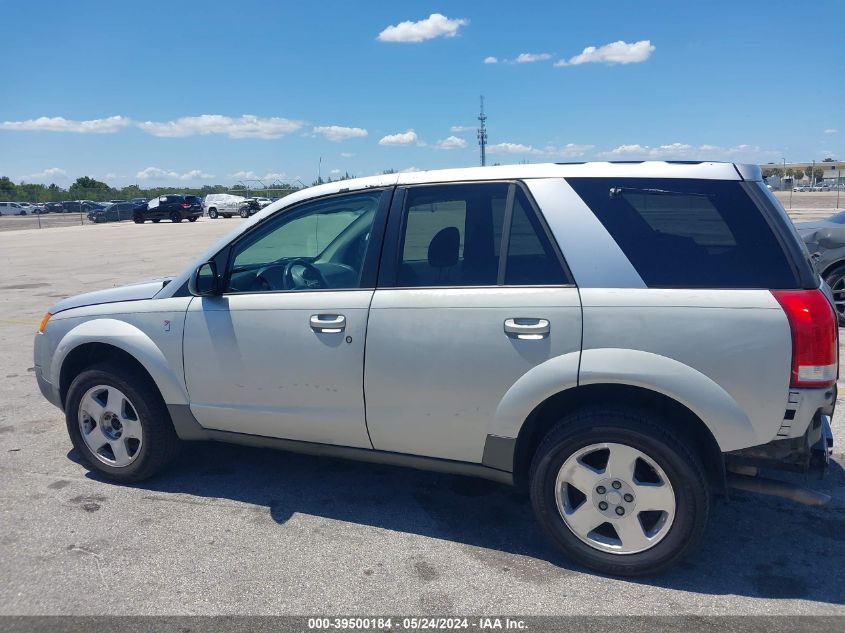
(159,445)
(212,213)
(644,432)
(244,213)
(193,218)
(157,220)
(834,278)
(176,218)
(137,219)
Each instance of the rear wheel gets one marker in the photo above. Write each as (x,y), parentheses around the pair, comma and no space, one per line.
(212,213)
(119,423)
(244,213)
(193,218)
(156,221)
(137,219)
(617,492)
(836,280)
(175,218)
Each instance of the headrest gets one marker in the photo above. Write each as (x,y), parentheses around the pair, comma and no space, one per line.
(443,249)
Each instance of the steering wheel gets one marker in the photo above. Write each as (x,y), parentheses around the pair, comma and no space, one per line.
(300,273)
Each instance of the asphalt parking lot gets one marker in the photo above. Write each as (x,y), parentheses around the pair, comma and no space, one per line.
(234,530)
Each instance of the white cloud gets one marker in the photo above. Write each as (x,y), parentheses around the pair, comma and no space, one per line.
(530,58)
(244,126)
(110,176)
(400,138)
(435,25)
(108,125)
(831,130)
(460,128)
(491,60)
(570,150)
(686,151)
(409,170)
(452,142)
(51,173)
(347,154)
(335,171)
(157,173)
(512,148)
(251,175)
(337,133)
(614,53)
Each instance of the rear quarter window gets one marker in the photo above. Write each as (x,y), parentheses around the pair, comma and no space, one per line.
(689,233)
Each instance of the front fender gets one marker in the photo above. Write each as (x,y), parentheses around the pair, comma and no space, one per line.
(131,340)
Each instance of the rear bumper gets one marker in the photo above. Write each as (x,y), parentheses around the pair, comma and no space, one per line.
(796,454)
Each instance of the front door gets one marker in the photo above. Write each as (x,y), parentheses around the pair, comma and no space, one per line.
(281,352)
(474,296)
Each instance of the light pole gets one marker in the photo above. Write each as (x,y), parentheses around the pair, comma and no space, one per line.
(790,188)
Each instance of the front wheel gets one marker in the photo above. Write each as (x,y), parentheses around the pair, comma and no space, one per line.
(212,213)
(836,280)
(119,423)
(244,213)
(193,218)
(137,219)
(175,218)
(617,492)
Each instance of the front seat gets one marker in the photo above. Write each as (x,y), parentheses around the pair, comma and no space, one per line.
(443,252)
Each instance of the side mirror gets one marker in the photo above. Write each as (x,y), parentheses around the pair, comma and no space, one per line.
(204,281)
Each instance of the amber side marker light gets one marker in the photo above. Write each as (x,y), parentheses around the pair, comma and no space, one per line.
(43,323)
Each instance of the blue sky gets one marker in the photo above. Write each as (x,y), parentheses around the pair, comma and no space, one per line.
(211,92)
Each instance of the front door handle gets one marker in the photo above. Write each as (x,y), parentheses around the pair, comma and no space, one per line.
(328,323)
(527,329)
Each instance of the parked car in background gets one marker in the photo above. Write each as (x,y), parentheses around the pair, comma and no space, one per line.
(222,204)
(53,207)
(11,208)
(621,340)
(825,240)
(173,207)
(801,188)
(113,213)
(72,206)
(821,186)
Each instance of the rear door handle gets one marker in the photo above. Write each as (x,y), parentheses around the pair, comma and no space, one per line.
(328,323)
(527,329)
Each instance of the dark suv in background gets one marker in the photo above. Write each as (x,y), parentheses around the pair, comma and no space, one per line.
(173,207)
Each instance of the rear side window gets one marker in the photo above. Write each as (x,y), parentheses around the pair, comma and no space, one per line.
(689,233)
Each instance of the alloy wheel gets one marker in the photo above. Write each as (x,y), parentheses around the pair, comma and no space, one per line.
(110,426)
(615,498)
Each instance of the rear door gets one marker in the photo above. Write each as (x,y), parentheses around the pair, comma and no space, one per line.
(472,295)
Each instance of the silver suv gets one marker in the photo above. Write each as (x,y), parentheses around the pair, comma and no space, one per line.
(621,340)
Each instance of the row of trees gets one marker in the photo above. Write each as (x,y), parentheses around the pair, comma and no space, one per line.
(797,173)
(86,188)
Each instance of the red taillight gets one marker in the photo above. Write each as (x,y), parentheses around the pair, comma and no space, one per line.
(815,345)
(185,205)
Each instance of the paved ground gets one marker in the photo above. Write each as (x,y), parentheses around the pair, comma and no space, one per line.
(236,530)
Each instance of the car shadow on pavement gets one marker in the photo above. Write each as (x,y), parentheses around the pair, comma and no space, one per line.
(755,546)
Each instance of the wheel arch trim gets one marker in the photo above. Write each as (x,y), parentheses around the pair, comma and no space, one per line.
(126,338)
(729,425)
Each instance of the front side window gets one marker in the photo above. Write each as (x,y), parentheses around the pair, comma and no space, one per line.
(319,245)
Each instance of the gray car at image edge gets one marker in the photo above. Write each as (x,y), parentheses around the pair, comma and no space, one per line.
(624,341)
